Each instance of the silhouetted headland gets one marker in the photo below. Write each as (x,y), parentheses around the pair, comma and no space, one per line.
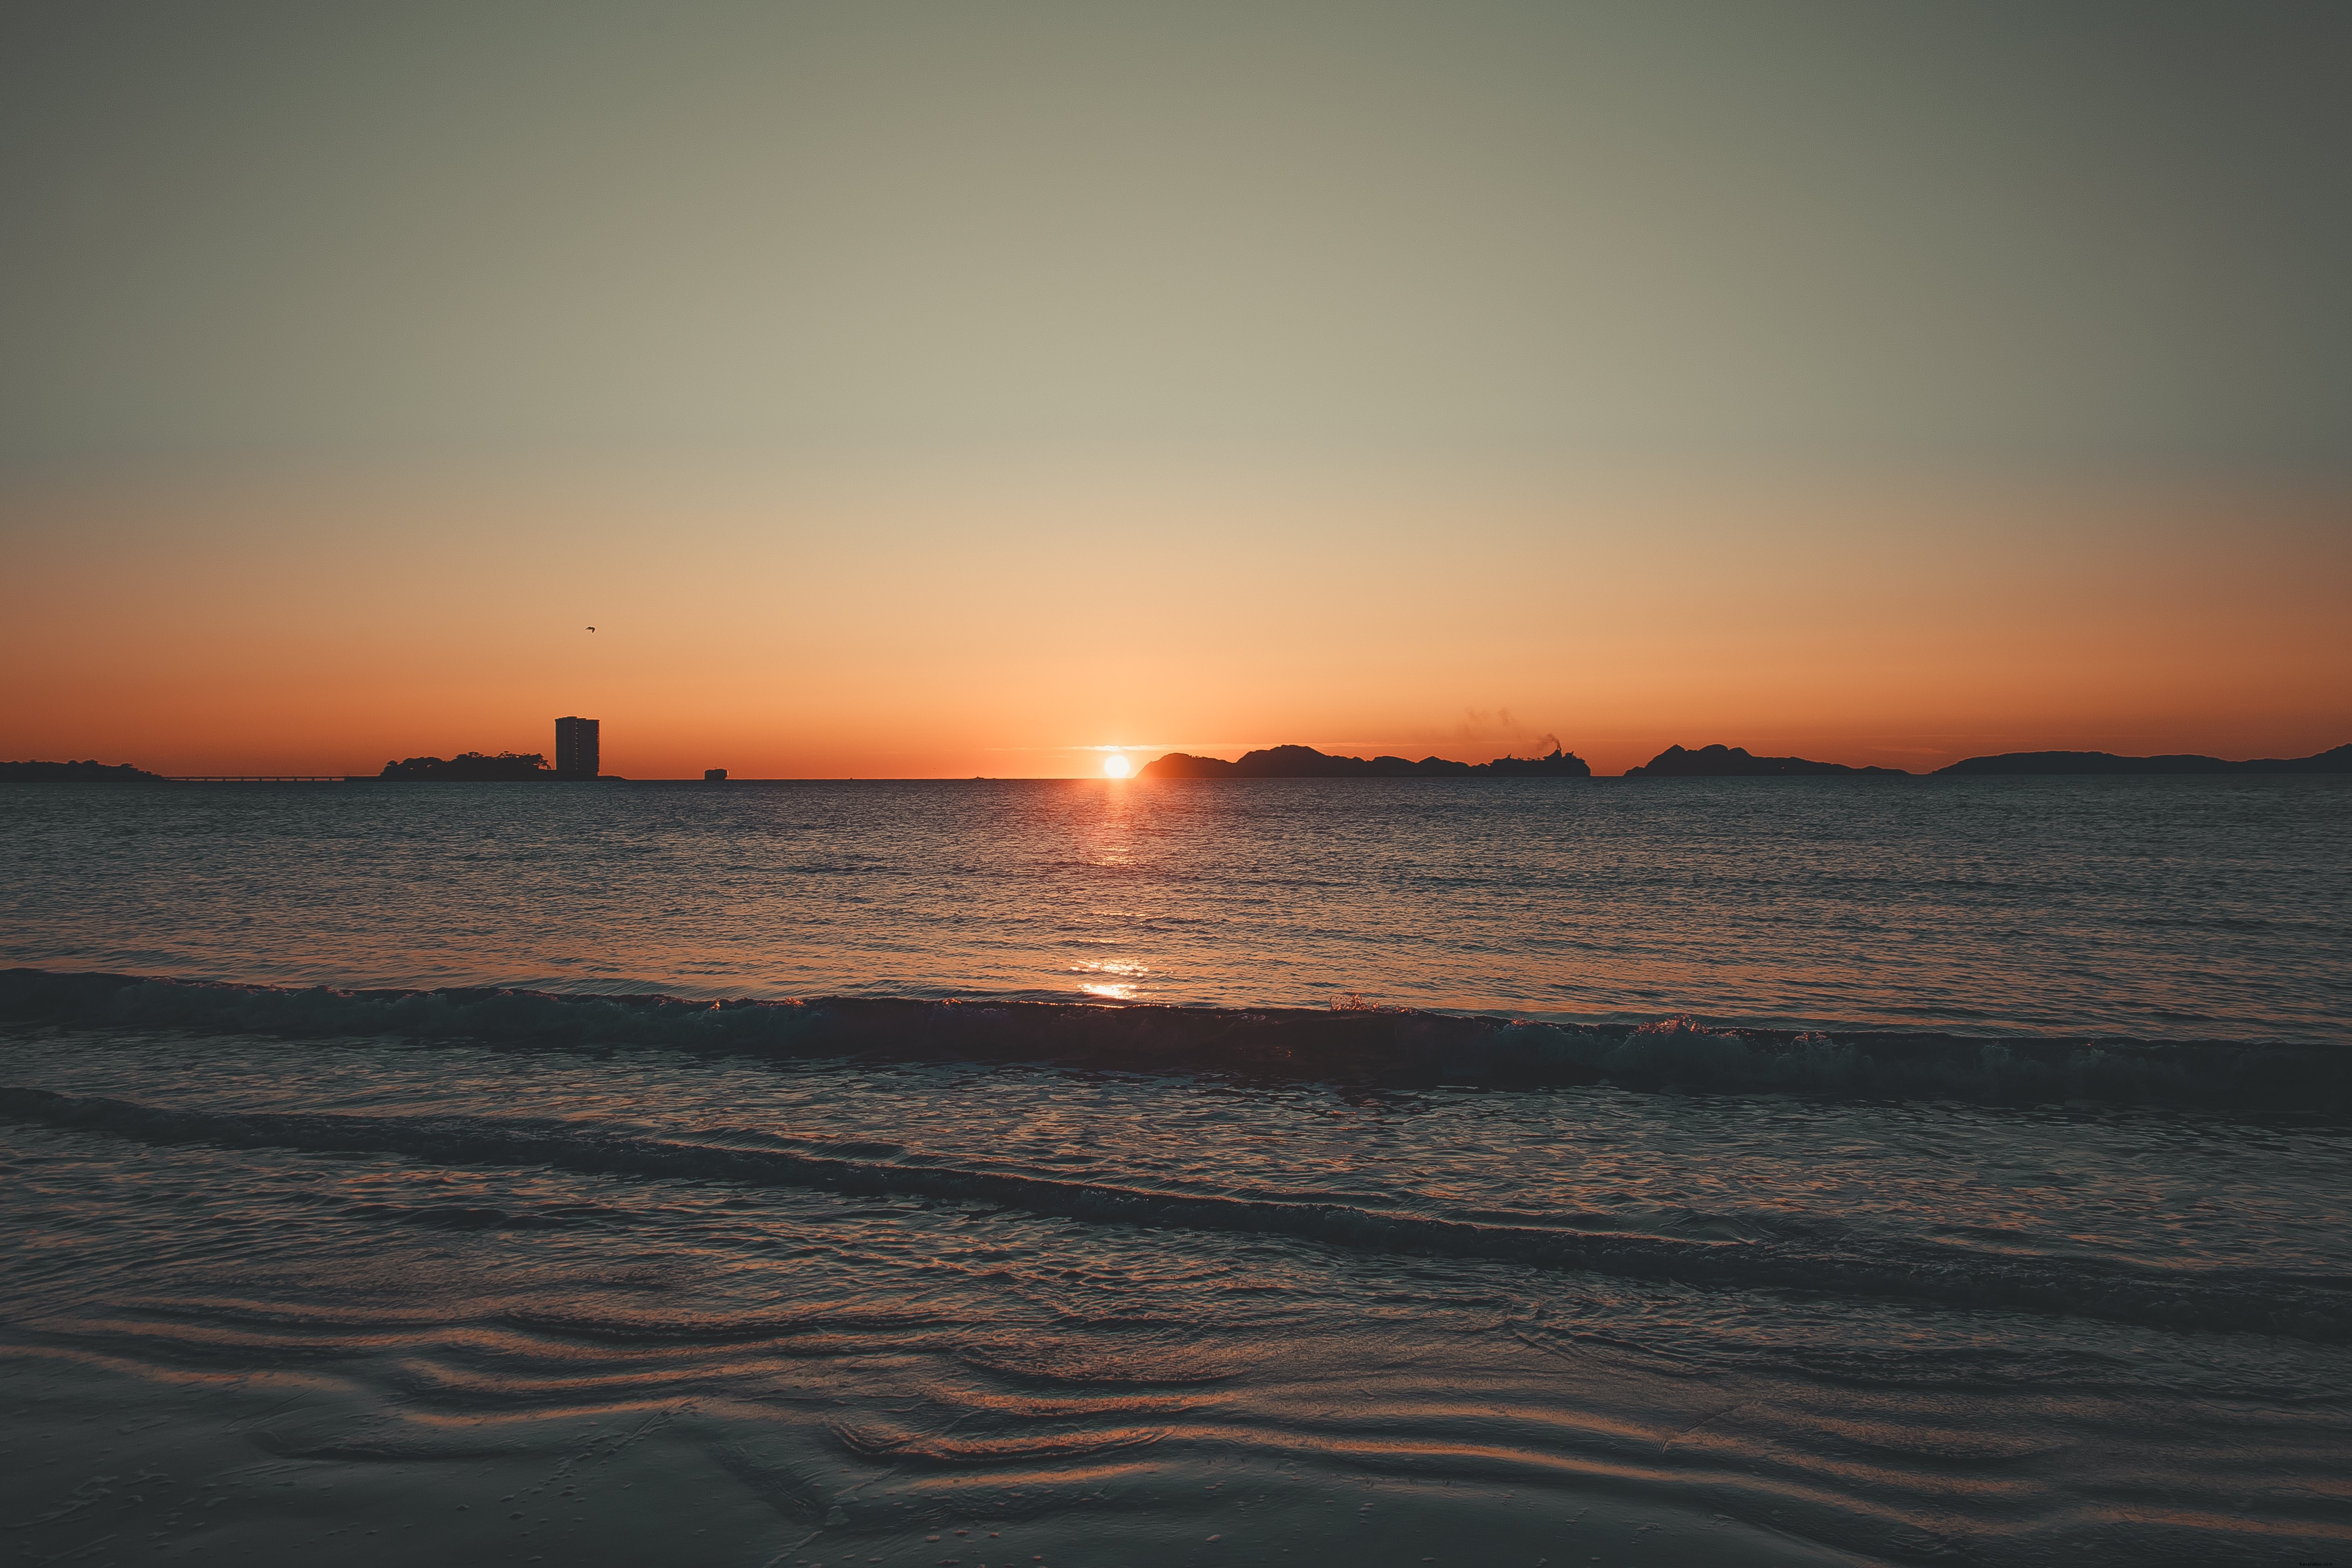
(1733,762)
(75,773)
(1306,762)
(2338,760)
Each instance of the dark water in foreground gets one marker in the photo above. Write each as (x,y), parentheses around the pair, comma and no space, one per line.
(1944,1172)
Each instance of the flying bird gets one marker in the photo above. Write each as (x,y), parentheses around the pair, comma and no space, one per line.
(592,628)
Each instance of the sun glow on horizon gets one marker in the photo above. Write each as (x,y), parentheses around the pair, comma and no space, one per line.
(1116,765)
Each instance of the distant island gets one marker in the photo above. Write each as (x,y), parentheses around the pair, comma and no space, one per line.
(1733,762)
(75,773)
(577,745)
(474,768)
(1709,762)
(2338,760)
(1306,762)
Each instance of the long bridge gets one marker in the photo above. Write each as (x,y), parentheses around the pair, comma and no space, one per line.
(257,777)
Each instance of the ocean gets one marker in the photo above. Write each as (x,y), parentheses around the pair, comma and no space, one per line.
(1085,1172)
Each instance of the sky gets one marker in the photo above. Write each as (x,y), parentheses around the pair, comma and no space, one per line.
(941,391)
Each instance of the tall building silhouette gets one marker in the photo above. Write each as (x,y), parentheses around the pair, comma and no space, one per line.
(575,747)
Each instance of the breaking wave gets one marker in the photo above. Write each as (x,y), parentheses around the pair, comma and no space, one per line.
(2300,1305)
(1384,1047)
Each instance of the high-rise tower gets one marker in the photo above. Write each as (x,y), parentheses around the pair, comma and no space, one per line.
(575,747)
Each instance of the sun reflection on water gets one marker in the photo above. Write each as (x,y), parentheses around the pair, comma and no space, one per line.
(1122,983)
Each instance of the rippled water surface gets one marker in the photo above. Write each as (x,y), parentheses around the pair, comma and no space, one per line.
(2155,907)
(1987,1206)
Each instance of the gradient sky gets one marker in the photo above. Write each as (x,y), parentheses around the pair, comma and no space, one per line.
(951,390)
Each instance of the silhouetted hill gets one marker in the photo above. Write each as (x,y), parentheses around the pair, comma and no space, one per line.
(75,773)
(2336,761)
(473,767)
(1306,762)
(1733,762)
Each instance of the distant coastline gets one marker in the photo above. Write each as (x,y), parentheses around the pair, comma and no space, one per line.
(1719,761)
(476,768)
(1732,762)
(1716,761)
(1306,762)
(76,773)
(2338,760)
(467,768)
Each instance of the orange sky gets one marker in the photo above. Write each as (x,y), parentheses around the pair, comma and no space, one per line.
(983,622)
(950,390)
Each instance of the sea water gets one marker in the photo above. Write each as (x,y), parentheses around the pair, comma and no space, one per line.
(1107,1172)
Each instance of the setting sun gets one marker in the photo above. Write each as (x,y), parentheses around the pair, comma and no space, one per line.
(1116,764)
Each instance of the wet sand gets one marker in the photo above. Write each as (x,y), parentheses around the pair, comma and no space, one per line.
(108,1465)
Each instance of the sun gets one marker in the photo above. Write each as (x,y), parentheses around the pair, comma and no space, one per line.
(1116,765)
